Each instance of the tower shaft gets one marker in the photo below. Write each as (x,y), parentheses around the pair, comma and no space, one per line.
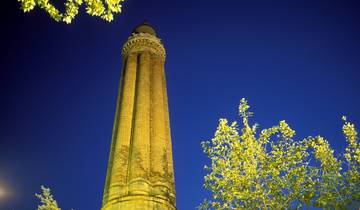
(140,171)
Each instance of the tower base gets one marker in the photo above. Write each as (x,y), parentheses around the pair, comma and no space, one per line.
(138,202)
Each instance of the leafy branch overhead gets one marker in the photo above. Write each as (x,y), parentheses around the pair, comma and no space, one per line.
(271,170)
(99,8)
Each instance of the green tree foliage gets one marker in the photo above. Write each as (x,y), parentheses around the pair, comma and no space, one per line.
(271,170)
(103,9)
(47,200)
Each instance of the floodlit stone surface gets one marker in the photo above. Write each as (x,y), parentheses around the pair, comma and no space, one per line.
(140,173)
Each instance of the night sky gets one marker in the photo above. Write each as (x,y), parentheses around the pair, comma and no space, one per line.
(292,60)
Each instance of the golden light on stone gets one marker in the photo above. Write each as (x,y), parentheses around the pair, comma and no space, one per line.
(140,172)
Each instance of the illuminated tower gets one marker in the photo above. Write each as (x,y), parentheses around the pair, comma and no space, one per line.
(140,172)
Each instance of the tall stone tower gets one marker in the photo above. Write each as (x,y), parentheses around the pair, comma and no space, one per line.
(140,172)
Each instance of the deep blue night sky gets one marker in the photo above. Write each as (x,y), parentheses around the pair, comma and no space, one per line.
(293,60)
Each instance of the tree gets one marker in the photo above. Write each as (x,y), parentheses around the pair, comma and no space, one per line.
(46,199)
(271,170)
(104,10)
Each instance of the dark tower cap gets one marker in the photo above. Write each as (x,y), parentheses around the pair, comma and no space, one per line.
(145,27)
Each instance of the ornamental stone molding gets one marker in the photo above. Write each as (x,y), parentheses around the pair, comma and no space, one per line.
(139,42)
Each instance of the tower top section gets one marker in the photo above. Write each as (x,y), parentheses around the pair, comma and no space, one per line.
(143,38)
(145,27)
